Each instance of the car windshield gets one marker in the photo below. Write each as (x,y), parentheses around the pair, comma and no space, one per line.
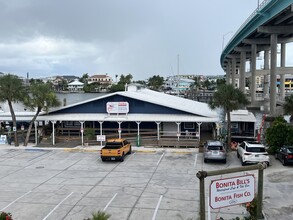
(256,149)
(113,145)
(215,147)
(290,150)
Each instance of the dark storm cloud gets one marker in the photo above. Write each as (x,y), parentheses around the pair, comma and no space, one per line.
(117,36)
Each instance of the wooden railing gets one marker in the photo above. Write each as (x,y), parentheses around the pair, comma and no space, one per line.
(147,137)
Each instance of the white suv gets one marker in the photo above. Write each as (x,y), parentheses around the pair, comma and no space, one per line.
(252,152)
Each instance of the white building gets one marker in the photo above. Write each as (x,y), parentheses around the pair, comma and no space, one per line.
(75,86)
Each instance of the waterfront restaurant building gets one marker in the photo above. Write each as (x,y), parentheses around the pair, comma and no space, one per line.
(143,116)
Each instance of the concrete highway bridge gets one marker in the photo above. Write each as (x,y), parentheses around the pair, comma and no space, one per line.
(270,25)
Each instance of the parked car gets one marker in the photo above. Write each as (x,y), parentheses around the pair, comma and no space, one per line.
(285,155)
(214,150)
(115,149)
(251,152)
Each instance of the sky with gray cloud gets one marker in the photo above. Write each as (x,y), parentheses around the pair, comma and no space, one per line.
(141,37)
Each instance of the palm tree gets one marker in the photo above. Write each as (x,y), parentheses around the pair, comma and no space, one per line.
(12,90)
(228,98)
(41,98)
(288,106)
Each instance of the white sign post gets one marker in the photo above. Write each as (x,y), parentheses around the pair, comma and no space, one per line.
(232,191)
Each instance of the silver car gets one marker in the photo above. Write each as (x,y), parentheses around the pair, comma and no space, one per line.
(214,150)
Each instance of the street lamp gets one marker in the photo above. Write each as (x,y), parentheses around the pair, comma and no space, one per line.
(230,32)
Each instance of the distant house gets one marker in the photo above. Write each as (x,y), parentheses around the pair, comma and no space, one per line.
(178,85)
(104,81)
(75,86)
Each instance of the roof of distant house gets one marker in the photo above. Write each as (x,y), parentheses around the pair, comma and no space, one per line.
(99,76)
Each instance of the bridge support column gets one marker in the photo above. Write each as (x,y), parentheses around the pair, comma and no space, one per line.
(282,76)
(228,72)
(266,77)
(273,79)
(233,71)
(253,72)
(242,71)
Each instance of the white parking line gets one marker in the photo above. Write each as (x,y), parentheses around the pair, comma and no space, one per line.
(157,207)
(15,201)
(109,202)
(160,159)
(129,157)
(195,160)
(57,206)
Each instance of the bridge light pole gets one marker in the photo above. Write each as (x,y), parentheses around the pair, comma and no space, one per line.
(224,35)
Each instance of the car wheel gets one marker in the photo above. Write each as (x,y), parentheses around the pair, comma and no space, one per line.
(122,158)
(225,161)
(205,160)
(130,151)
(103,159)
(268,164)
(284,162)
(242,162)
(238,154)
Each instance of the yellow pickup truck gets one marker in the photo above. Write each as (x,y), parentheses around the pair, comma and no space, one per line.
(115,149)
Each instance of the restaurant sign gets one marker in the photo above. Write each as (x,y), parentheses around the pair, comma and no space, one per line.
(117,107)
(231,191)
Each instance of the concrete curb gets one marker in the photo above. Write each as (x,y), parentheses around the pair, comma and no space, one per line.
(98,149)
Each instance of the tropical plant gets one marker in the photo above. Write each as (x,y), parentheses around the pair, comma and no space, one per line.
(5,216)
(41,98)
(155,82)
(12,90)
(89,133)
(100,215)
(125,79)
(279,134)
(228,98)
(120,86)
(84,78)
(93,87)
(288,106)
(251,207)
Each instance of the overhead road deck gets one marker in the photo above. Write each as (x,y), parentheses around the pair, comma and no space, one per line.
(269,25)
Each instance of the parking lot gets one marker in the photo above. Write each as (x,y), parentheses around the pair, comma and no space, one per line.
(159,184)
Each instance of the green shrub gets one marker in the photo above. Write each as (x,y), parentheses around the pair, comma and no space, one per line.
(279,134)
(251,207)
(100,215)
(89,133)
(5,216)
